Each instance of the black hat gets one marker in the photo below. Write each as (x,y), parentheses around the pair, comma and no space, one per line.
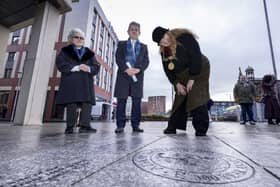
(158,34)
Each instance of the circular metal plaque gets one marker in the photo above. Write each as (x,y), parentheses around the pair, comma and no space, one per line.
(195,166)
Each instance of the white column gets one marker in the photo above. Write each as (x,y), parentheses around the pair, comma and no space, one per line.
(32,96)
(4,37)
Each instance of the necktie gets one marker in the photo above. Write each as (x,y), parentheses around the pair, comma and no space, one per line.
(133,49)
(80,52)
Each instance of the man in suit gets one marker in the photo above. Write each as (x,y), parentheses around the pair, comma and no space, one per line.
(132,60)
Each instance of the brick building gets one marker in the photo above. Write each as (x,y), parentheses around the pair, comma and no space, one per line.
(100,37)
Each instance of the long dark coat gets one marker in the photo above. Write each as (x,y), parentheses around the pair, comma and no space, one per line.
(190,65)
(272,108)
(123,81)
(76,86)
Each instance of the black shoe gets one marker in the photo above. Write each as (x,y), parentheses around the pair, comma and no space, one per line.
(69,130)
(87,130)
(137,129)
(243,123)
(200,134)
(270,122)
(119,130)
(169,131)
(252,123)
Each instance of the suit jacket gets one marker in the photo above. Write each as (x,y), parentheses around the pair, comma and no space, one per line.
(125,82)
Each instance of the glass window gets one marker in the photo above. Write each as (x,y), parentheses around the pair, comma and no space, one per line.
(9,65)
(101,40)
(15,37)
(92,37)
(105,79)
(102,29)
(97,79)
(8,73)
(113,54)
(111,83)
(108,40)
(107,49)
(11,56)
(100,46)
(4,96)
(15,40)
(94,17)
(91,43)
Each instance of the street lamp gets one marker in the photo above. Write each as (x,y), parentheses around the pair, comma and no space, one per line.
(271,45)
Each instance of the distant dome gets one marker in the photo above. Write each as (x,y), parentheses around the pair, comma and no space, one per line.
(249,69)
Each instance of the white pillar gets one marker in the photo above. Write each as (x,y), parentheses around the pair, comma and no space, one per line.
(37,67)
(4,37)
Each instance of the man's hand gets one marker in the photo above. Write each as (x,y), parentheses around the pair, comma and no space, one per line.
(181,89)
(130,71)
(136,70)
(189,85)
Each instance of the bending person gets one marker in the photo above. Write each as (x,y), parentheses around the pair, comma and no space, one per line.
(188,70)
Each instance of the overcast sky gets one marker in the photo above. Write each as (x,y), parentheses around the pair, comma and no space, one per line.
(232,33)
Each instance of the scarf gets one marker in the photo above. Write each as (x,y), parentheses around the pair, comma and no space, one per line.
(245,83)
(80,52)
(130,54)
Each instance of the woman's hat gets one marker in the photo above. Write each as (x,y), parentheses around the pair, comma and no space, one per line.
(158,33)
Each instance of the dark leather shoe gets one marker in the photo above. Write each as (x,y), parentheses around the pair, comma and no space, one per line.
(200,134)
(252,123)
(119,130)
(270,122)
(243,123)
(137,130)
(87,130)
(169,131)
(69,130)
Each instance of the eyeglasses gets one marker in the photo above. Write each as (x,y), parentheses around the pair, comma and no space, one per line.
(78,37)
(134,29)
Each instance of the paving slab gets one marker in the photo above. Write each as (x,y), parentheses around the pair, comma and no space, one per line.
(231,155)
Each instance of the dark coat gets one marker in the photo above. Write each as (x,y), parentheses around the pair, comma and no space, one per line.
(190,65)
(272,107)
(123,81)
(76,86)
(244,93)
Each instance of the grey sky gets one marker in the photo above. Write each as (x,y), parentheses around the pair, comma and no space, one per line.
(232,33)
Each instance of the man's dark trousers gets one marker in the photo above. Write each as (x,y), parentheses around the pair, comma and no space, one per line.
(247,108)
(135,113)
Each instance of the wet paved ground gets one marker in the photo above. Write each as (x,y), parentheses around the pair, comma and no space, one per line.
(231,155)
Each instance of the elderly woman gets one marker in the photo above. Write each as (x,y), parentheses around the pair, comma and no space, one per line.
(77,65)
(188,71)
(272,106)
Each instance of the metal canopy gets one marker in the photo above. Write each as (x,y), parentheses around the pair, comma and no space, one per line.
(15,12)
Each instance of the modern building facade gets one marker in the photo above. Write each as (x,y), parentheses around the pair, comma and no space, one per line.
(144,107)
(100,37)
(156,105)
